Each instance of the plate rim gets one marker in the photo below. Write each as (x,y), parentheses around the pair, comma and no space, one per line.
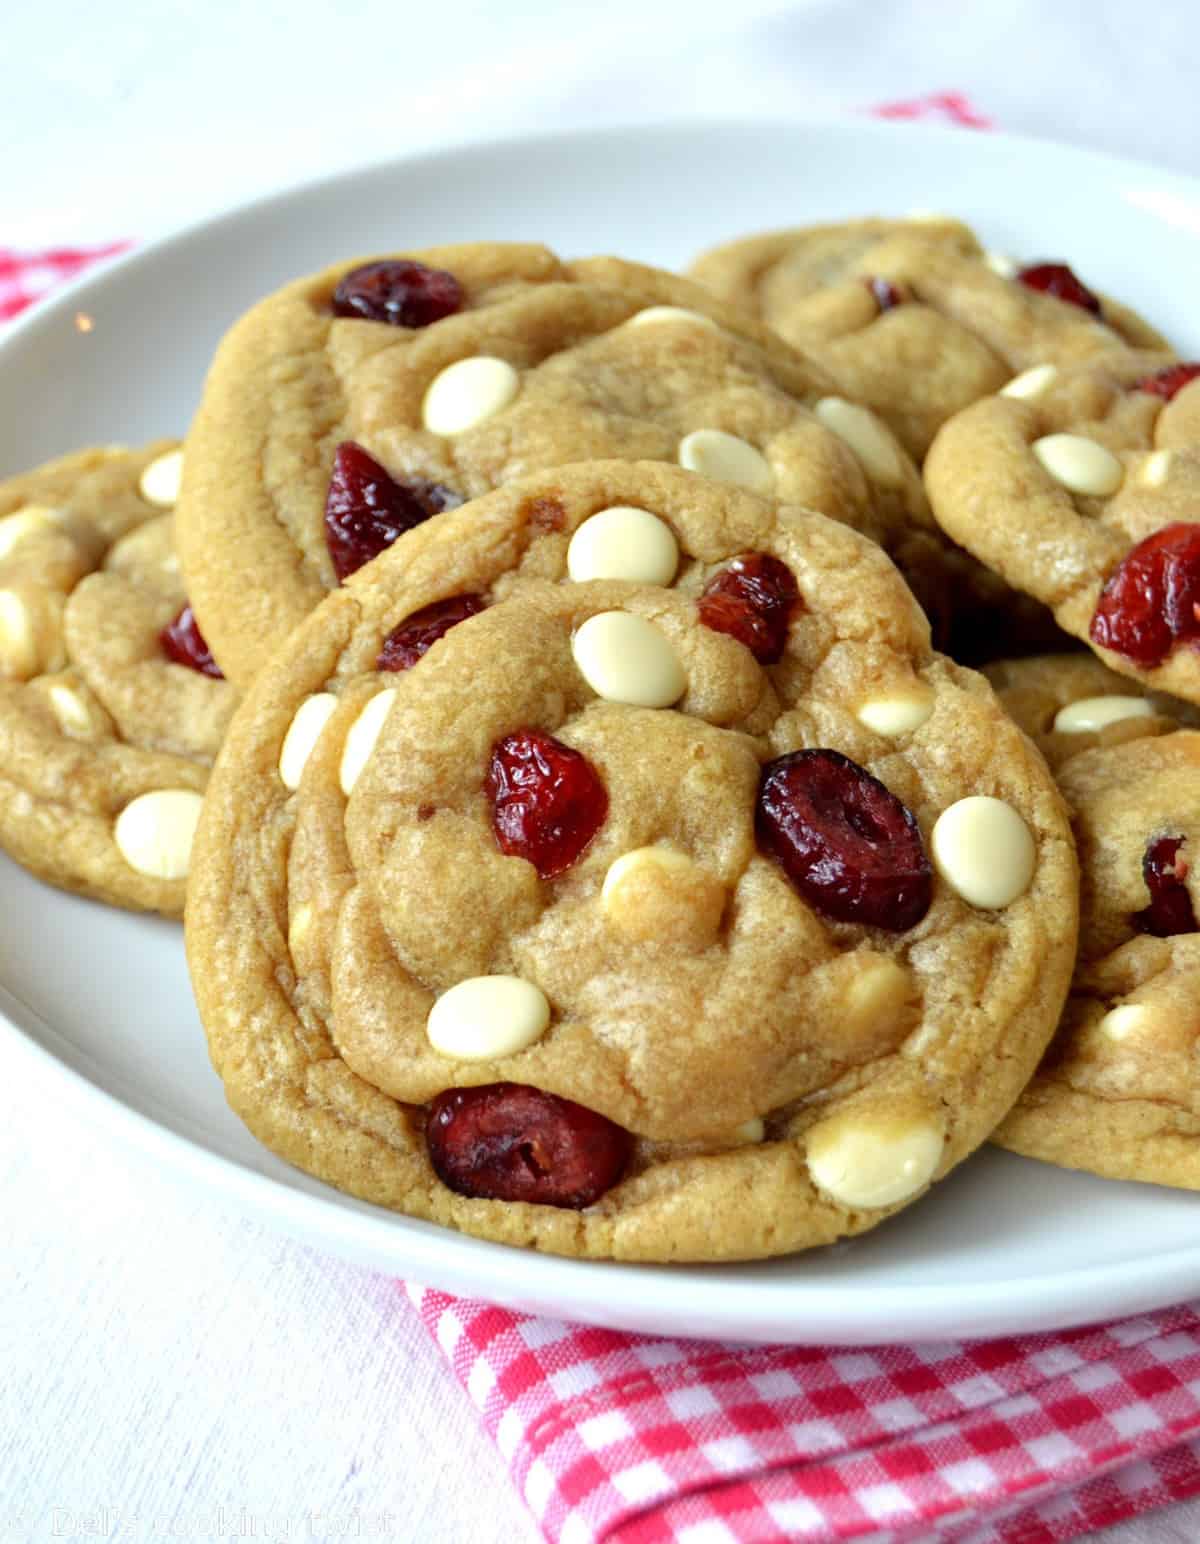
(844,1313)
(996,142)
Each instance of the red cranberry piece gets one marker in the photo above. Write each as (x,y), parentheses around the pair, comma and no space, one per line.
(752,601)
(849,846)
(1057,279)
(547,801)
(366,509)
(1167,383)
(507,1142)
(1170,909)
(183,642)
(400,292)
(886,294)
(1152,599)
(405,644)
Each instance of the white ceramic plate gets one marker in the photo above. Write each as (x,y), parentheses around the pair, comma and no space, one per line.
(100,999)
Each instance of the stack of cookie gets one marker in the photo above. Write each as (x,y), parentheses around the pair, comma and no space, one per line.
(602,857)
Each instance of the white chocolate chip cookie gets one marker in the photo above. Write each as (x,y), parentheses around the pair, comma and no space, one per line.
(641,945)
(111,709)
(1068,703)
(915,317)
(1119,1091)
(349,407)
(1085,496)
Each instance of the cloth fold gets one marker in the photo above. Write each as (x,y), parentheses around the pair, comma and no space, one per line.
(639,1439)
(635,1439)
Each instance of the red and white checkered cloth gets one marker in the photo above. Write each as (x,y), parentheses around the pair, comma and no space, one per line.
(27,276)
(630,1438)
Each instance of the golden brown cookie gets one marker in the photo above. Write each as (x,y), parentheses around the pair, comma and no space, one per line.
(1081,488)
(667,898)
(1118,1093)
(1068,703)
(111,709)
(492,361)
(915,318)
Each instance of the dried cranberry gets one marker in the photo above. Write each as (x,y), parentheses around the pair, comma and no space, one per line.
(1152,599)
(752,601)
(366,509)
(845,841)
(1168,382)
(405,644)
(1170,909)
(1057,279)
(507,1142)
(183,642)
(886,294)
(398,291)
(547,801)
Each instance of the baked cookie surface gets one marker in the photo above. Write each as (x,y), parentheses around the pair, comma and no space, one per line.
(1118,1093)
(1068,703)
(111,711)
(524,362)
(1080,486)
(530,809)
(913,315)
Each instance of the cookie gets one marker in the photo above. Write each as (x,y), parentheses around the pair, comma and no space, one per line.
(1080,487)
(1118,1093)
(1068,703)
(913,315)
(612,868)
(358,402)
(111,708)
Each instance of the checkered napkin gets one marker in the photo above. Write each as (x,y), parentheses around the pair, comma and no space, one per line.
(27,276)
(1023,1441)
(635,1439)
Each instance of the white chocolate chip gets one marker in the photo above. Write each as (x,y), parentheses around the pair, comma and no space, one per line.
(31,639)
(630,863)
(160,480)
(862,1161)
(984,850)
(653,314)
(624,543)
(465,393)
(1079,464)
(486,1017)
(33,520)
(18,645)
(1001,264)
(726,458)
(1126,1020)
(658,893)
(299,926)
(624,658)
(70,710)
(881,991)
(154,832)
(899,712)
(1030,383)
(749,1132)
(859,428)
(1156,468)
(1092,713)
(360,741)
(303,733)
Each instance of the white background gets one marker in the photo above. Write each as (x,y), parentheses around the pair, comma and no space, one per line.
(164,1359)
